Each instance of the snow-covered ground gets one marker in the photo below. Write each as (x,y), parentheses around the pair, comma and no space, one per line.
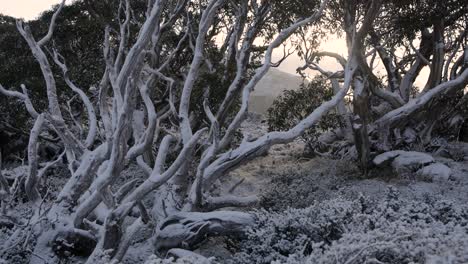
(284,179)
(325,178)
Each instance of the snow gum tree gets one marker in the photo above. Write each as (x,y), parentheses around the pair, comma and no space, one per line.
(187,102)
(126,122)
(388,109)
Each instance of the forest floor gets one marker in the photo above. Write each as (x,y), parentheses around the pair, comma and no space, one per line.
(320,178)
(286,179)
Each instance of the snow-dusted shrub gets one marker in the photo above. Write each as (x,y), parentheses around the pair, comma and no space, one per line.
(392,230)
(301,186)
(293,232)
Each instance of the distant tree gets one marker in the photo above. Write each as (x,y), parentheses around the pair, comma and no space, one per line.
(294,105)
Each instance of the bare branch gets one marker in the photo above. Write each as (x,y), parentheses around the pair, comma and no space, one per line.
(393,117)
(205,24)
(260,73)
(22,97)
(31,180)
(249,150)
(92,131)
(47,37)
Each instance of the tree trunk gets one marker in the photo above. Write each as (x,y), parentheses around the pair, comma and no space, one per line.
(360,121)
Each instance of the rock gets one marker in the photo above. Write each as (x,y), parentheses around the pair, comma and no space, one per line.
(403,161)
(402,158)
(436,172)
(411,161)
(386,158)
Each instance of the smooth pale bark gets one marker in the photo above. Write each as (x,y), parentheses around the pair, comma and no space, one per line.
(44,64)
(424,51)
(50,32)
(92,120)
(401,116)
(198,58)
(360,121)
(30,185)
(260,73)
(144,139)
(22,97)
(438,55)
(74,147)
(136,52)
(394,78)
(128,236)
(98,169)
(186,230)
(156,179)
(249,150)
(343,112)
(242,60)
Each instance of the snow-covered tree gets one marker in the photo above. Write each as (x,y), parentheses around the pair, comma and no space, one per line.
(125,124)
(189,110)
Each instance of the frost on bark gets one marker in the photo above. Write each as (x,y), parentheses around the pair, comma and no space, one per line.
(130,123)
(386,112)
(31,180)
(193,150)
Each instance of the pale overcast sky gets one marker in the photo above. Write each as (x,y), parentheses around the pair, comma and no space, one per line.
(27,9)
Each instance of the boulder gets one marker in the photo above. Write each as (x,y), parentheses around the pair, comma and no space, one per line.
(403,161)
(401,158)
(436,172)
(411,161)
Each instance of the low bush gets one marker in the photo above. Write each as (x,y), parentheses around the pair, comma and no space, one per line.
(393,230)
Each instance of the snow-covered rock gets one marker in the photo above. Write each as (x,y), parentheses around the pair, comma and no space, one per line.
(411,161)
(386,158)
(402,159)
(436,172)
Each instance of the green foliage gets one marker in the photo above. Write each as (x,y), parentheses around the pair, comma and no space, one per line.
(288,11)
(79,37)
(294,105)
